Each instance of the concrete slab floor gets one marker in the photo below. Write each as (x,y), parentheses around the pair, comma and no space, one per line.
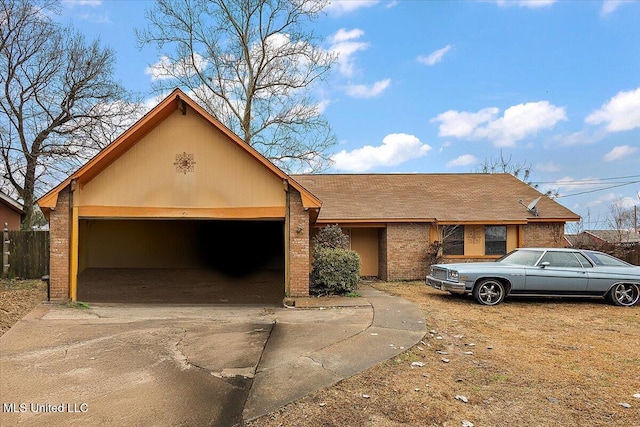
(184,365)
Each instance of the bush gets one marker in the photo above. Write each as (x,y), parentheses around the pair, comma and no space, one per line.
(331,237)
(335,271)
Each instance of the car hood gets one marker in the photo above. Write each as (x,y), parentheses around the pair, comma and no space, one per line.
(466,266)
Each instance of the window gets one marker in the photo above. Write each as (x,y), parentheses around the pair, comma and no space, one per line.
(453,240)
(583,260)
(495,240)
(561,259)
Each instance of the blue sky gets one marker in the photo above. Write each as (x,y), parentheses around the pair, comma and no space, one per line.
(441,86)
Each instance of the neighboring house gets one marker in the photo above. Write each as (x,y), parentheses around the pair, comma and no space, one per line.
(604,238)
(178,189)
(10,212)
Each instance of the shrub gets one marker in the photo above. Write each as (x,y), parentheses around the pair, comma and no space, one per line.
(335,270)
(331,237)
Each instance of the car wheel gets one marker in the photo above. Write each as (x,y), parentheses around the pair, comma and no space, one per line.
(624,294)
(489,292)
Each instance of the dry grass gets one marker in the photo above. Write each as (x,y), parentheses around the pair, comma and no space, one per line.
(535,362)
(17,298)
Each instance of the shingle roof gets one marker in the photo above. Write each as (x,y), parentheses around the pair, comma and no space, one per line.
(11,203)
(427,197)
(613,236)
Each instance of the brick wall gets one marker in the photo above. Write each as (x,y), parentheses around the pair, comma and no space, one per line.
(543,235)
(59,228)
(382,254)
(406,251)
(298,246)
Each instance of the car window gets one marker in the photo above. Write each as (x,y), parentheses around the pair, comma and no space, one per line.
(583,260)
(601,259)
(561,259)
(521,257)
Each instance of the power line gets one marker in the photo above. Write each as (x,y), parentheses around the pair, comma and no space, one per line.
(589,181)
(598,189)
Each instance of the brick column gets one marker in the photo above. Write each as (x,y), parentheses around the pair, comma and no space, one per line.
(298,246)
(59,236)
(382,255)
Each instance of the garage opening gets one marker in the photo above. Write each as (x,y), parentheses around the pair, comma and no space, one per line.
(181,261)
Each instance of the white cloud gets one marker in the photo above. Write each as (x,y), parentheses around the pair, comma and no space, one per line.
(340,7)
(96,18)
(463,160)
(396,148)
(343,35)
(444,145)
(462,124)
(344,44)
(626,202)
(322,105)
(620,113)
(582,137)
(521,121)
(363,91)
(570,184)
(73,3)
(619,152)
(518,122)
(613,199)
(533,4)
(610,6)
(166,69)
(548,167)
(435,56)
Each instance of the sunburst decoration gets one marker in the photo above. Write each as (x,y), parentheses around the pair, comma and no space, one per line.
(473,235)
(184,163)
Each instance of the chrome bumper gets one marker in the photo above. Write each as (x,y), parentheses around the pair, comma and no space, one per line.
(446,285)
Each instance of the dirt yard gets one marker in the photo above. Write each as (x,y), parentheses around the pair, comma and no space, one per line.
(534,362)
(17,298)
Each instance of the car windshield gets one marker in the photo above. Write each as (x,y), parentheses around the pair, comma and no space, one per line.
(521,257)
(602,260)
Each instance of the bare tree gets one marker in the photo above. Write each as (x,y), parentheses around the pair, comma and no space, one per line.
(252,64)
(621,220)
(58,99)
(521,170)
(446,244)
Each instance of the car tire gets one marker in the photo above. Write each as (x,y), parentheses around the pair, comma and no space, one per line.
(489,292)
(624,294)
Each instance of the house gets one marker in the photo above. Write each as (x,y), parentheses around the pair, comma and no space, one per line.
(601,239)
(179,191)
(11,212)
(393,219)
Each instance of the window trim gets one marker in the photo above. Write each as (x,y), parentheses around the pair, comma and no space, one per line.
(449,243)
(505,241)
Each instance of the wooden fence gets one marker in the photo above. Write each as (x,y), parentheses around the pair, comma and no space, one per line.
(633,255)
(28,254)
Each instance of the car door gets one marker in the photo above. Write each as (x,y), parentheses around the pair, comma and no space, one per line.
(557,272)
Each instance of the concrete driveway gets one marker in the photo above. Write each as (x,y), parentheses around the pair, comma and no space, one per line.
(160,365)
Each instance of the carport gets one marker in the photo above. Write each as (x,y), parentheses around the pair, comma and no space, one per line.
(181,261)
(178,209)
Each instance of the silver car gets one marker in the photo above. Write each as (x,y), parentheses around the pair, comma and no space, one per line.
(542,272)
